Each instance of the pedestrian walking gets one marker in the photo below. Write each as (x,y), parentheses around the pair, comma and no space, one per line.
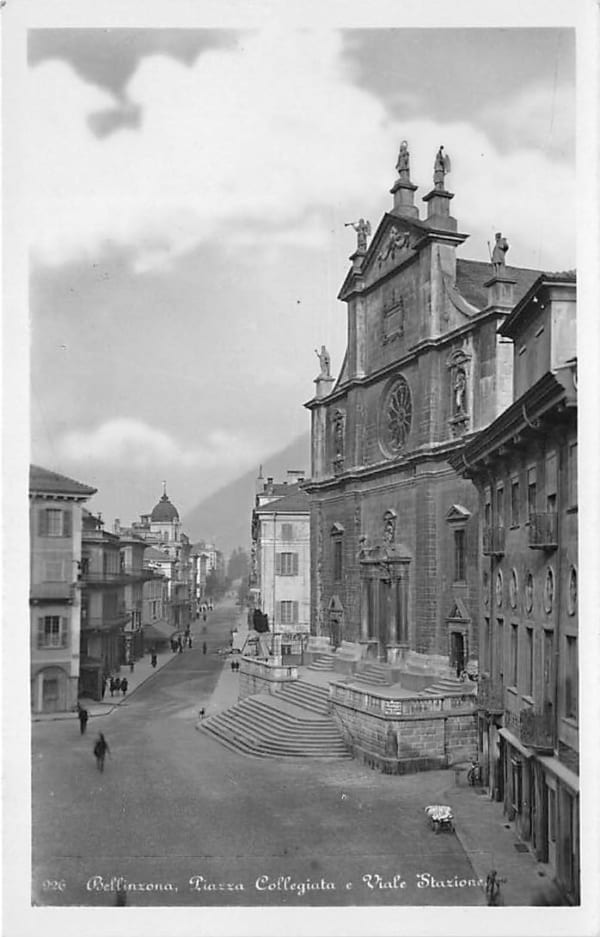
(201,713)
(100,750)
(204,617)
(112,686)
(204,648)
(492,887)
(104,682)
(131,665)
(190,641)
(180,646)
(124,686)
(117,684)
(154,660)
(83,716)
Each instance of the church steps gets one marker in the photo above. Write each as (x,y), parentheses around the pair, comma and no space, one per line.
(322,662)
(306,695)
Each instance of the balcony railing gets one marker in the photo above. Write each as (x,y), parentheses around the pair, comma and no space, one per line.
(490,695)
(543,531)
(102,623)
(493,541)
(537,730)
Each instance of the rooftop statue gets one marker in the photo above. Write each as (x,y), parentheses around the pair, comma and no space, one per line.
(363,231)
(403,164)
(324,361)
(440,168)
(498,256)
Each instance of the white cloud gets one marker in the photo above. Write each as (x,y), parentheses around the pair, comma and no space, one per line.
(251,145)
(134,444)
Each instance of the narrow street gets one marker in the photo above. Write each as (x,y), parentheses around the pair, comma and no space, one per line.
(197,824)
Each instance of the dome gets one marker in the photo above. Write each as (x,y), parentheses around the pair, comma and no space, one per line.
(164,512)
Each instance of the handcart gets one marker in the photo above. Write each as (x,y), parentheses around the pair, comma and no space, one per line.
(440,817)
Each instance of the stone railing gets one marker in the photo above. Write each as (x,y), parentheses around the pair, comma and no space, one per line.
(268,670)
(490,695)
(389,708)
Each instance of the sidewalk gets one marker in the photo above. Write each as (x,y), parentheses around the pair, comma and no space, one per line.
(143,670)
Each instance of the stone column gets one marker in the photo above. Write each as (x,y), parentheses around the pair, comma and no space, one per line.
(364,609)
(393,607)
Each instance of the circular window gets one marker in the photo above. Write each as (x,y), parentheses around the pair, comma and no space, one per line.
(529,592)
(572,592)
(549,591)
(396,417)
(499,586)
(513,589)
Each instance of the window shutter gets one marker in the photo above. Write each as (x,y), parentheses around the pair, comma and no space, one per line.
(295,564)
(295,612)
(43,523)
(64,628)
(67,524)
(278,564)
(40,635)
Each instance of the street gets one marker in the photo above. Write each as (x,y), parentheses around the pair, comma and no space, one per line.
(189,822)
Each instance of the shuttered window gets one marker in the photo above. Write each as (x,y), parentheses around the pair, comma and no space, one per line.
(287,531)
(286,564)
(52,631)
(287,613)
(53,522)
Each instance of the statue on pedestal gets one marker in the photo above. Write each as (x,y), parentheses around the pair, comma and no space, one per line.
(363,231)
(440,168)
(403,164)
(499,254)
(324,361)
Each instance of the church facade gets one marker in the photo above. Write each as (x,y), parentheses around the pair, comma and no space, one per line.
(394,527)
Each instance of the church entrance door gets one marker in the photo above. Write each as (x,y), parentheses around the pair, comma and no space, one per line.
(457,651)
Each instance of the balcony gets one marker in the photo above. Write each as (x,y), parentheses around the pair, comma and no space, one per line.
(536,729)
(493,541)
(102,623)
(543,531)
(490,695)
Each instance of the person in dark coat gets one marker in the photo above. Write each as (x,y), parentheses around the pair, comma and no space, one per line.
(104,682)
(180,646)
(112,686)
(100,750)
(153,660)
(117,684)
(190,641)
(83,716)
(124,686)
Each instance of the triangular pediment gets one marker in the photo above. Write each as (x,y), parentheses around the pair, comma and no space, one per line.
(335,605)
(458,611)
(458,513)
(392,244)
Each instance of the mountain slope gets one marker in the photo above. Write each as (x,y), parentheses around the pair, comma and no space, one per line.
(224,517)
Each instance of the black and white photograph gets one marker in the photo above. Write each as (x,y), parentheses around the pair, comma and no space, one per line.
(298,304)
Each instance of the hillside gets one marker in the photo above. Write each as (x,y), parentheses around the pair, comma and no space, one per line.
(224,516)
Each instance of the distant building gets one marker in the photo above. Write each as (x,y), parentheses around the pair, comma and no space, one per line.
(280,571)
(525,468)
(55,506)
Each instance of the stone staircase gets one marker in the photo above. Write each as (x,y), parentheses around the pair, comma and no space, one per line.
(373,674)
(447,686)
(311,696)
(263,727)
(322,662)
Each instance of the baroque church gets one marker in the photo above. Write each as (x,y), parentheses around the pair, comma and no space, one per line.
(394,527)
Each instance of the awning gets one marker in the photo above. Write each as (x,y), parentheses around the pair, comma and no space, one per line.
(159,631)
(561,771)
(515,742)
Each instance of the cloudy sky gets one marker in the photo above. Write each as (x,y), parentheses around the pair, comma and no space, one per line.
(186,197)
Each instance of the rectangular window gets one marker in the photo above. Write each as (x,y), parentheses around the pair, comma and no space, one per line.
(337,559)
(514,655)
(515,505)
(528,689)
(531,491)
(286,564)
(487,509)
(53,522)
(551,474)
(500,506)
(288,613)
(459,556)
(287,531)
(54,569)
(517,784)
(52,631)
(489,647)
(572,474)
(571,677)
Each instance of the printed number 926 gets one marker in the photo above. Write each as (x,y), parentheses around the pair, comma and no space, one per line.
(51,884)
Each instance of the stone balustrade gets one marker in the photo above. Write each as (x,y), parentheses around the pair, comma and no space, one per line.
(403,707)
(268,670)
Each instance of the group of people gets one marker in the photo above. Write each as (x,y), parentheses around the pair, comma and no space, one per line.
(235,665)
(118,685)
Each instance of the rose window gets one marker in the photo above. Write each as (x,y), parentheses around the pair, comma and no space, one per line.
(397,416)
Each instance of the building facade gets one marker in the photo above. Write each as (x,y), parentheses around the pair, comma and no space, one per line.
(525,468)
(55,506)
(280,573)
(394,527)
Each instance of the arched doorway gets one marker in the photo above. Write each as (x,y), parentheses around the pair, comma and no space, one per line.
(335,612)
